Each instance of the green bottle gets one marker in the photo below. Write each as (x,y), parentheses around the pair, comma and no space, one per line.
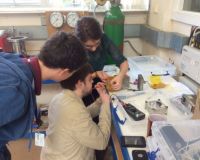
(113,27)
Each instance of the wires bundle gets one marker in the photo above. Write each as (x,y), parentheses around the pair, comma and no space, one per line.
(195,38)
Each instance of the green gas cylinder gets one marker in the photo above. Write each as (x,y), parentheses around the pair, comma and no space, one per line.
(113,27)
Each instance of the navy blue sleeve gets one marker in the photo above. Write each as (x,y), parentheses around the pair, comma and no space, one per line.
(113,50)
(13,91)
(11,98)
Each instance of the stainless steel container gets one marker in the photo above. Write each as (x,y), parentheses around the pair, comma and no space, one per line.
(140,82)
(18,44)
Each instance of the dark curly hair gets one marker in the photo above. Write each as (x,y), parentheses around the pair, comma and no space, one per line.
(63,50)
(88,28)
(81,74)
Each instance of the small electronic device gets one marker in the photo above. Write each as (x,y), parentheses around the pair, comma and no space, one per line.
(156,107)
(139,155)
(133,141)
(133,112)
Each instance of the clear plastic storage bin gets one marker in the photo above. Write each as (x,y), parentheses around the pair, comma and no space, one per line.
(186,110)
(148,65)
(178,140)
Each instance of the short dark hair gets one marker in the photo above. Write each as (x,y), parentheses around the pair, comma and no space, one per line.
(88,28)
(81,74)
(63,50)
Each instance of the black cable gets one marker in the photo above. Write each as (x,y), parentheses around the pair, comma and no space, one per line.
(132,47)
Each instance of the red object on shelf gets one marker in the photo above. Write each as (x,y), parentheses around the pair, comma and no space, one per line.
(5,46)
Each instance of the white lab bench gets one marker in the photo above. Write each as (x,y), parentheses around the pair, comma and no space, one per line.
(139,128)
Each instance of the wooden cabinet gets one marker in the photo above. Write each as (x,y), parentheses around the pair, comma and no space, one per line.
(20,151)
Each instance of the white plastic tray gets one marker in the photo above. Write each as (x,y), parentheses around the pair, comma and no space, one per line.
(178,140)
(147,65)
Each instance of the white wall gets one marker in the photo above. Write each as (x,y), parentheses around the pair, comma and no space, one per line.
(160,14)
(160,17)
(19,19)
(38,19)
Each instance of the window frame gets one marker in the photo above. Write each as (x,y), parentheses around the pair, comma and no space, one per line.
(46,5)
(17,4)
(187,17)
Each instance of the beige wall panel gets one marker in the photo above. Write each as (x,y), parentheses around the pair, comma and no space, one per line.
(34,46)
(160,14)
(181,28)
(20,19)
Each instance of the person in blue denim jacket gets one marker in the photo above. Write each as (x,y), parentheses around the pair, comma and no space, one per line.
(21,79)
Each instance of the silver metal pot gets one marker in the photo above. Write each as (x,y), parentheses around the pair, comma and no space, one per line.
(18,44)
(140,82)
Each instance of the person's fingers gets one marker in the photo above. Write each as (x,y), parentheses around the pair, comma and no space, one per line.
(105,76)
(102,78)
(115,86)
(113,82)
(100,86)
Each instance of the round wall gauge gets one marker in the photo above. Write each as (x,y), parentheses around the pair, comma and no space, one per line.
(72,18)
(56,19)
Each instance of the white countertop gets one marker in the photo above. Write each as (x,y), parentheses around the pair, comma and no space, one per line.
(139,128)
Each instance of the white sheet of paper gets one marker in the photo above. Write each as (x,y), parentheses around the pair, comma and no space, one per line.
(39,139)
